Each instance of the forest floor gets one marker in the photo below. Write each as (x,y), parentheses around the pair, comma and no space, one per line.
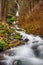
(33,22)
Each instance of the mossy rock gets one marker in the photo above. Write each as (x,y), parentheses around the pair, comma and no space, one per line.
(17,37)
(15,44)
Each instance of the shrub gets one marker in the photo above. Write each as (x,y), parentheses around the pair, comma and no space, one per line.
(11,18)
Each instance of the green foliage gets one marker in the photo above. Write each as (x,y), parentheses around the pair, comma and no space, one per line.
(17,36)
(1,31)
(11,18)
(7,46)
(2,43)
(1,26)
(7,31)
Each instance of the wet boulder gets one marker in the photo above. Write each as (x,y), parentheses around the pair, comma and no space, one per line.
(3,63)
(40,48)
(26,40)
(17,62)
(1,57)
(35,49)
(9,53)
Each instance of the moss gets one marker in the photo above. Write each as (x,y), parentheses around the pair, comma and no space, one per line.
(15,44)
(17,37)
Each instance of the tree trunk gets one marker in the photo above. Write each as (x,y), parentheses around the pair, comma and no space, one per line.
(5,6)
(0,9)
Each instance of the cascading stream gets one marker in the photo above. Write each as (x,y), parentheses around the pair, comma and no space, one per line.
(31,53)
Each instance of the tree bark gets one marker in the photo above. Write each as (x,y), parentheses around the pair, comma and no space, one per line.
(0,9)
(5,6)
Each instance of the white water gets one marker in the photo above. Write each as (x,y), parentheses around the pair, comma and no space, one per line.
(17,13)
(24,53)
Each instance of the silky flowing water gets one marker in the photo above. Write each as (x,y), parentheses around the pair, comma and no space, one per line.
(31,53)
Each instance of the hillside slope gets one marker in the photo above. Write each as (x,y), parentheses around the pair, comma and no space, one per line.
(33,21)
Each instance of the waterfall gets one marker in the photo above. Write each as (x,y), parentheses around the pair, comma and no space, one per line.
(17,13)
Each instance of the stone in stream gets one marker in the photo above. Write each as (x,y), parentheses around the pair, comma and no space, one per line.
(40,48)
(2,60)
(17,62)
(12,34)
(3,63)
(9,53)
(35,49)
(35,42)
(26,40)
(35,46)
(2,57)
(11,38)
